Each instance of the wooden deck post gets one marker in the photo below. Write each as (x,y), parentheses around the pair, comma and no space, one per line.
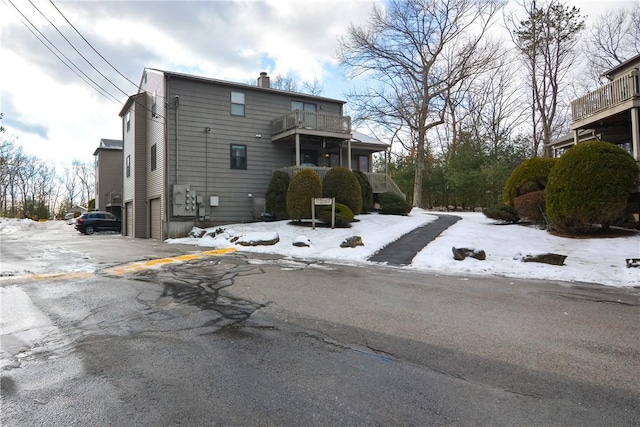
(635,133)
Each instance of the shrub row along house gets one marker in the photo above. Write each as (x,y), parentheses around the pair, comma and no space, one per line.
(201,151)
(610,113)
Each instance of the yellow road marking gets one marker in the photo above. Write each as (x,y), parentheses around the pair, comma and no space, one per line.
(142,265)
(124,269)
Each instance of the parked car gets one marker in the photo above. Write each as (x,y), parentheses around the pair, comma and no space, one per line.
(90,222)
(70,218)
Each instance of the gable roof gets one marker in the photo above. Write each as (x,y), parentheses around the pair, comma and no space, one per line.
(241,85)
(109,144)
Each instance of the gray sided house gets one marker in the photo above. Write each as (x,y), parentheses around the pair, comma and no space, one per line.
(108,171)
(610,113)
(201,152)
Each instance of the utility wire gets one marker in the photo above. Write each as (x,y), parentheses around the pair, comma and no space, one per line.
(91,46)
(95,85)
(74,48)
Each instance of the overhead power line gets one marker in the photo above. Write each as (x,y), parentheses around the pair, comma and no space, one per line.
(31,27)
(74,48)
(91,46)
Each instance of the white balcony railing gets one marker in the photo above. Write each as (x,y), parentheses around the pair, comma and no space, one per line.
(608,96)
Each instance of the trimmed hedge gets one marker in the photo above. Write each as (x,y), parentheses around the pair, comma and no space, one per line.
(344,216)
(366,189)
(276,196)
(506,213)
(341,183)
(589,186)
(531,175)
(304,186)
(393,204)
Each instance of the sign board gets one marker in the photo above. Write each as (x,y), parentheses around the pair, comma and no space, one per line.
(323,201)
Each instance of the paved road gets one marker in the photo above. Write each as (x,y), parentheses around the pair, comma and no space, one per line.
(245,339)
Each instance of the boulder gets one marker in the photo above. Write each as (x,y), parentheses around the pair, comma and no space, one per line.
(545,258)
(302,242)
(352,242)
(460,254)
(258,239)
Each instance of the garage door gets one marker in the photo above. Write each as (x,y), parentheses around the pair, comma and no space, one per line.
(156,219)
(128,217)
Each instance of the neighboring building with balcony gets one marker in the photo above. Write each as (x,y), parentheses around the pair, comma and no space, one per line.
(108,173)
(201,151)
(610,113)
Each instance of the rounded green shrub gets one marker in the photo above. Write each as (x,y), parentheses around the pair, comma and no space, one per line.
(366,189)
(304,186)
(505,213)
(344,216)
(276,196)
(589,186)
(341,183)
(531,206)
(393,204)
(530,175)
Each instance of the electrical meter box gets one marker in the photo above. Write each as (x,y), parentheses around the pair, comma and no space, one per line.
(185,201)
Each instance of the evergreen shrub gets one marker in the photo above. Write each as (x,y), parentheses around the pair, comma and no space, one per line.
(366,189)
(393,204)
(344,216)
(276,196)
(304,186)
(531,175)
(589,187)
(341,183)
(505,213)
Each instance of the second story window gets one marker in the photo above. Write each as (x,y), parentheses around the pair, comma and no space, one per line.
(128,165)
(154,105)
(237,104)
(303,106)
(154,157)
(238,156)
(128,120)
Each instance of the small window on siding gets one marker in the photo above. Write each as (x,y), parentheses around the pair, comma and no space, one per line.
(238,156)
(237,104)
(128,120)
(154,105)
(154,157)
(128,165)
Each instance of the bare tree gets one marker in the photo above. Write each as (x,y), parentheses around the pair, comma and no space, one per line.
(413,53)
(287,83)
(547,40)
(86,178)
(614,38)
(70,182)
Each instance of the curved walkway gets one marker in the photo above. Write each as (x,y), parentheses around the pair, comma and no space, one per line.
(403,250)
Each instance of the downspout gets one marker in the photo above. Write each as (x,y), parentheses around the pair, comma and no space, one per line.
(175,106)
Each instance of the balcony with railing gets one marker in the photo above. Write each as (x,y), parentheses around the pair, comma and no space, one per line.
(380,182)
(311,123)
(610,97)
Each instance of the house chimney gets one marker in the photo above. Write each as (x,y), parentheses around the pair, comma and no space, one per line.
(263,80)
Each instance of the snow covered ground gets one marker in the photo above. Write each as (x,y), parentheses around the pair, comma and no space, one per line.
(595,260)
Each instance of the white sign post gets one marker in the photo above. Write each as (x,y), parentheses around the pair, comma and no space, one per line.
(323,201)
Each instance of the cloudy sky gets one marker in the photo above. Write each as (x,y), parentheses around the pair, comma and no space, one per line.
(57,116)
